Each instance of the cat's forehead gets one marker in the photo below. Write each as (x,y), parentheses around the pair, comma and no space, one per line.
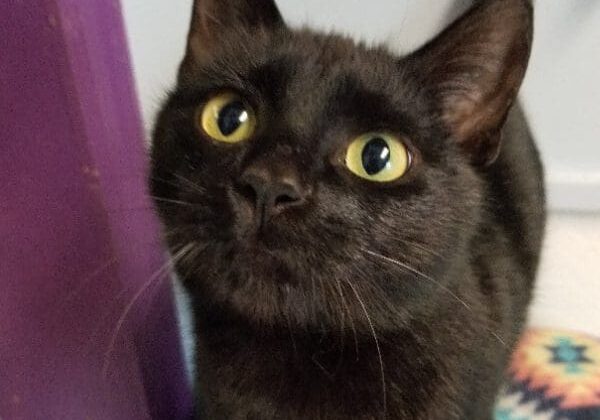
(308,74)
(324,61)
(300,64)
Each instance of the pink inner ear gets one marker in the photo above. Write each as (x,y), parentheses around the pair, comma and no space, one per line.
(476,125)
(475,69)
(475,115)
(469,117)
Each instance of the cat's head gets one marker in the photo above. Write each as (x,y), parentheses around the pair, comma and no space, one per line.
(304,178)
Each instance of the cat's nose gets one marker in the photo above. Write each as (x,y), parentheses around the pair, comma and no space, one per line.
(271,191)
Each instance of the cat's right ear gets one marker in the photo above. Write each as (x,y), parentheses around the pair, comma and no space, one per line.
(214,21)
(473,70)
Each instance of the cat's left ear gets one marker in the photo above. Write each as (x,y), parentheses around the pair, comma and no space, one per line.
(214,22)
(473,71)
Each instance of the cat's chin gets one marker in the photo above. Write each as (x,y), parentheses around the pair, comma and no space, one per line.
(267,240)
(262,287)
(267,265)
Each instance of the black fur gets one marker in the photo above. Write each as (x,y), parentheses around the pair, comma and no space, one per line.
(367,301)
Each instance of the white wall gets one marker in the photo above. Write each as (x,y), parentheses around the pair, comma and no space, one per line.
(568,285)
(561,93)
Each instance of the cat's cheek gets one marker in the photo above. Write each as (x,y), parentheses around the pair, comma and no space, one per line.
(242,215)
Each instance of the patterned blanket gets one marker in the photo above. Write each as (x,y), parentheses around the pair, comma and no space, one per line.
(554,375)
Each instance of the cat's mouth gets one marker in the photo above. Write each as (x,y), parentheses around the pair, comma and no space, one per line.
(260,256)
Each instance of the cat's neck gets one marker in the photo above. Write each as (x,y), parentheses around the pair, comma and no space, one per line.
(336,371)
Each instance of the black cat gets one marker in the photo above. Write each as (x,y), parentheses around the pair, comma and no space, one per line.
(358,232)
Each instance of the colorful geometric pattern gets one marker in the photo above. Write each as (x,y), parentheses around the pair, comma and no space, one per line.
(553,375)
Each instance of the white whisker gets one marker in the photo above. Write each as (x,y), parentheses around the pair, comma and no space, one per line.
(418,273)
(159,273)
(425,276)
(89,278)
(499,338)
(195,187)
(347,308)
(171,201)
(372,328)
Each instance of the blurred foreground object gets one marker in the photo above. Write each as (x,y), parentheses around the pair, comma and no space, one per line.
(87,327)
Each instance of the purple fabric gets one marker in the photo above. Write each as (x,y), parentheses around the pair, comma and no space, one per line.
(78,239)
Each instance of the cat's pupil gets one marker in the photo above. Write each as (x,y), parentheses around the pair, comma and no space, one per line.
(375,156)
(231,117)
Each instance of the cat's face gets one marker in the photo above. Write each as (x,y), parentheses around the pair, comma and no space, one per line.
(305,177)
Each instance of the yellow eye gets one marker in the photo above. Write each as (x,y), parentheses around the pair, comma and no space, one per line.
(378,157)
(228,118)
